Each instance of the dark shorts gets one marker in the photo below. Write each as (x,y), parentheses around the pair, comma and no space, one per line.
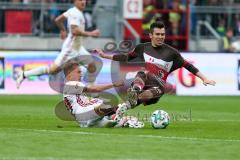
(154,84)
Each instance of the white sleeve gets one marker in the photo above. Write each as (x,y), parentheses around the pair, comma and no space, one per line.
(73,87)
(73,19)
(66,14)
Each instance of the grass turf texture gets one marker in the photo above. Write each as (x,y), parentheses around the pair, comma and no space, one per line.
(201,128)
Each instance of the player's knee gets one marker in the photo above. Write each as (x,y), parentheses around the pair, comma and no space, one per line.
(146,95)
(92,67)
(155,92)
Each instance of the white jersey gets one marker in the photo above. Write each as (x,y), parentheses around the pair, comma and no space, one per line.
(81,106)
(74,17)
(72,46)
(73,88)
(73,93)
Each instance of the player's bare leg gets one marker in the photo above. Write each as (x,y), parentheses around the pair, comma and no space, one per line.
(21,74)
(150,94)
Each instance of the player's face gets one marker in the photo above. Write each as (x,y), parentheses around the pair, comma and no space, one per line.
(72,72)
(158,36)
(80,4)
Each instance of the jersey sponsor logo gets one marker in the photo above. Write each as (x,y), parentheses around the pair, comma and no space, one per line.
(158,62)
(154,69)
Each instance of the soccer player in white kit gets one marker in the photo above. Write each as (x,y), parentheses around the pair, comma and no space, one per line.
(88,112)
(93,112)
(72,46)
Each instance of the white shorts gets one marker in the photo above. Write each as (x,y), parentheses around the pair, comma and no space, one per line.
(83,109)
(82,56)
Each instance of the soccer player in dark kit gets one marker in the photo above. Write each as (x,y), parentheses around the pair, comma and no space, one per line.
(160,60)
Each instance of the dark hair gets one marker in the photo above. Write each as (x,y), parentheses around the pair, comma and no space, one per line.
(157,24)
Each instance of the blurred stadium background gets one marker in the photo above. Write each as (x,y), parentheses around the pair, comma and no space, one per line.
(205,31)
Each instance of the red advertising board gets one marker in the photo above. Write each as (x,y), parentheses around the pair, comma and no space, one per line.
(18,21)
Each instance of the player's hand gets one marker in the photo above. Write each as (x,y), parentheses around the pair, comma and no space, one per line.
(63,34)
(95,33)
(118,83)
(100,53)
(209,82)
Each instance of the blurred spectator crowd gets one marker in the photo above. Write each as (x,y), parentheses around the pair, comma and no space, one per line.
(43,22)
(174,13)
(37,1)
(226,24)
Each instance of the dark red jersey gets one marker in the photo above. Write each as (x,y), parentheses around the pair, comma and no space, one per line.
(160,61)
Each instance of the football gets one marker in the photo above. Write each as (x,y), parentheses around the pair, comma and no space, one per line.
(160,119)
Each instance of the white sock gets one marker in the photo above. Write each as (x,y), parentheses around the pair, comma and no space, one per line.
(105,122)
(37,71)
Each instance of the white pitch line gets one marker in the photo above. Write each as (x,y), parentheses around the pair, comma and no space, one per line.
(142,136)
(28,158)
(219,120)
(57,158)
(40,158)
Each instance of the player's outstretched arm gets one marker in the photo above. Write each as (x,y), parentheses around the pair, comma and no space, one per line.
(60,23)
(116,57)
(137,52)
(102,87)
(191,68)
(205,80)
(103,54)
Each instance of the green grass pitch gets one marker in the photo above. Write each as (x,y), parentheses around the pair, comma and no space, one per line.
(201,128)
